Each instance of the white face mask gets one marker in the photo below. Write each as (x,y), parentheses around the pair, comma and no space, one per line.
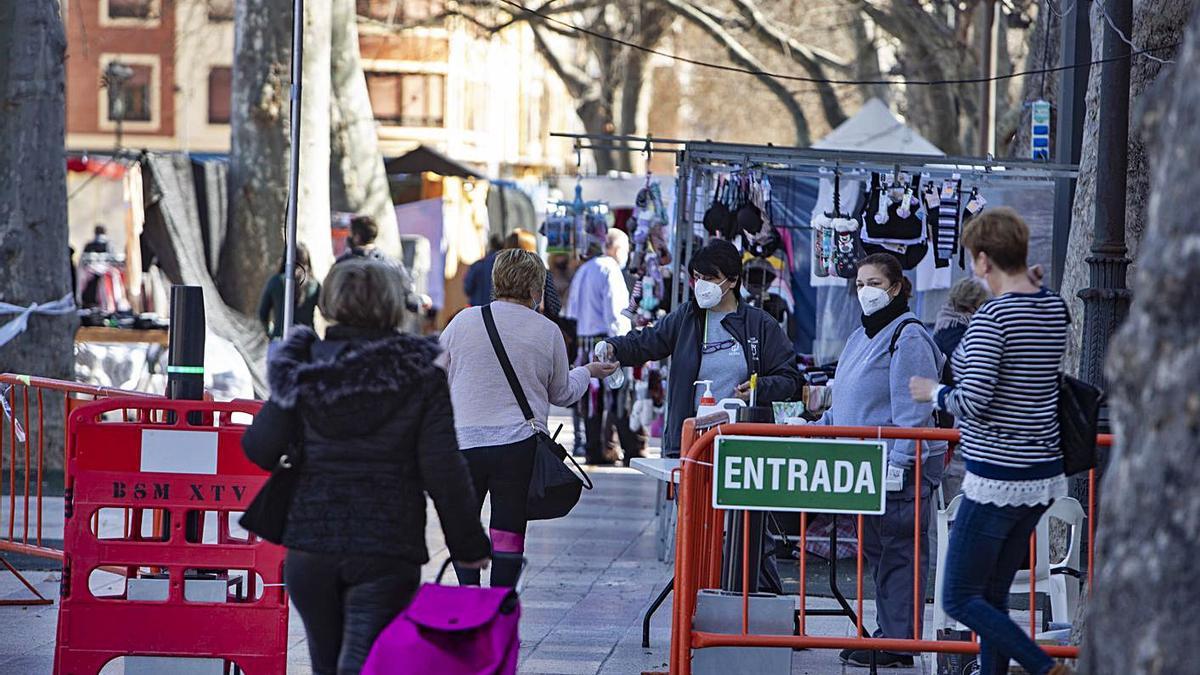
(708,294)
(873,299)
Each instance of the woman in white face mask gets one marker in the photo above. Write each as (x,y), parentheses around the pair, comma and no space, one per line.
(871,390)
(714,337)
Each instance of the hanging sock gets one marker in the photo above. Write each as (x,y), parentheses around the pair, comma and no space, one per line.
(932,203)
(947,219)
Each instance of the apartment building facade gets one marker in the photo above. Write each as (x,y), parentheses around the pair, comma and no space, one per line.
(490,101)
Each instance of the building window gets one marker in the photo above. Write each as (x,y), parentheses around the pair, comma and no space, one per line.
(141,10)
(399,11)
(130,100)
(220,11)
(220,81)
(407,99)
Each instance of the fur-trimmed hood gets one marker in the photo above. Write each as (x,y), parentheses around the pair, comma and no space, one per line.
(363,378)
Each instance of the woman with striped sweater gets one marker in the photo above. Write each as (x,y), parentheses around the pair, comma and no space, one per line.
(1005,395)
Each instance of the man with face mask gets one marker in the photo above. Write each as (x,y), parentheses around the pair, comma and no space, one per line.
(598,294)
(715,336)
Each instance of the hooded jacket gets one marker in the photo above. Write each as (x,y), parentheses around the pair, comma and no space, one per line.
(372,414)
(679,335)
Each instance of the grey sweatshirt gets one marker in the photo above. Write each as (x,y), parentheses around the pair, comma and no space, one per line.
(871,386)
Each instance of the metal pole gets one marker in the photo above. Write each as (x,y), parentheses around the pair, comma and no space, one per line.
(1068,141)
(289,265)
(185,344)
(1106,301)
(987,108)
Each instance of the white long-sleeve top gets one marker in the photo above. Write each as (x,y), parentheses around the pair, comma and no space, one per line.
(598,294)
(485,410)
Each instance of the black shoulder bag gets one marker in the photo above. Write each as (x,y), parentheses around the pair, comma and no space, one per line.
(554,489)
(1078,423)
(266,516)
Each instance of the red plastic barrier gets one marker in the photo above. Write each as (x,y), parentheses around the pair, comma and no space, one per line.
(106,461)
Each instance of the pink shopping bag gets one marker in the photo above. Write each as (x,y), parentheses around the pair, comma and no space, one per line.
(451,630)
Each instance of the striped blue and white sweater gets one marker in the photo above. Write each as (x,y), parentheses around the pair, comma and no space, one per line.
(1006,398)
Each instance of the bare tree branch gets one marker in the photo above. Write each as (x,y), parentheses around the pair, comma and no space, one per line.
(742,56)
(812,60)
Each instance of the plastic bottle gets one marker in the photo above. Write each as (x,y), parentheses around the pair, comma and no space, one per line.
(709,404)
(601,353)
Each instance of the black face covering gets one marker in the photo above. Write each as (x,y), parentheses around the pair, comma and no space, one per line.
(879,320)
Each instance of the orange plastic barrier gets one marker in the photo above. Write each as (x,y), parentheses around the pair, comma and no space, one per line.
(182,459)
(700,536)
(24,400)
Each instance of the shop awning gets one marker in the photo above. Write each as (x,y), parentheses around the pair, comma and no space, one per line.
(424,158)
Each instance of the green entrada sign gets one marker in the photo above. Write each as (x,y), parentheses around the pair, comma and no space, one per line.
(794,474)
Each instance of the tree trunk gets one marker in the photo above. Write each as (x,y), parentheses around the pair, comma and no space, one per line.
(258,158)
(358,181)
(1150,513)
(35,266)
(313,212)
(1155,23)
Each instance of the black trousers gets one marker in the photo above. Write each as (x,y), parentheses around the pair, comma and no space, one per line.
(345,602)
(504,472)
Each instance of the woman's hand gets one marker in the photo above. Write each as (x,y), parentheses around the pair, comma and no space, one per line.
(922,389)
(600,370)
(742,391)
(481,564)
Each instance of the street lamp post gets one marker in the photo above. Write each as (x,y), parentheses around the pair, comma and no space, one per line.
(289,265)
(116,74)
(1106,300)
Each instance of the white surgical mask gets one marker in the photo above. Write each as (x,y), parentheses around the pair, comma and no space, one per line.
(873,299)
(708,294)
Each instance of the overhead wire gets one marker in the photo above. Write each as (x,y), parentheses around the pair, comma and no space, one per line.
(831,81)
(1123,36)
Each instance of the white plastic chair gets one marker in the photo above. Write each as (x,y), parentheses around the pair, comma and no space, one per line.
(1053,579)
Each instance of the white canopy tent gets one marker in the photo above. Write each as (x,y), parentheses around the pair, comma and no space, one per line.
(875,129)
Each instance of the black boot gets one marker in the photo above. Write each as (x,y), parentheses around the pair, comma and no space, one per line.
(466,577)
(506,569)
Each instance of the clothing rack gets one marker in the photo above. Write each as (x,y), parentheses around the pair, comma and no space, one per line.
(697,162)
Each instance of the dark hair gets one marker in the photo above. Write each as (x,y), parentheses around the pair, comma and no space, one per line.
(364,229)
(495,243)
(1002,235)
(890,266)
(303,260)
(718,257)
(100,229)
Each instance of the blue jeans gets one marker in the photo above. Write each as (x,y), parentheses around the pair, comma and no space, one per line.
(988,544)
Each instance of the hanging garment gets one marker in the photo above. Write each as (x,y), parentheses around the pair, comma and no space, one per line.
(947,226)
(888,219)
(847,248)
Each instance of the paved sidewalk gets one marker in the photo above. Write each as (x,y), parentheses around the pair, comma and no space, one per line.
(591,576)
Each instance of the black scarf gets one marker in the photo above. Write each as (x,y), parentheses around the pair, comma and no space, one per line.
(879,320)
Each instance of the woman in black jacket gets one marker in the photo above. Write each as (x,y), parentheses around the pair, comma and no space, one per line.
(371,415)
(714,337)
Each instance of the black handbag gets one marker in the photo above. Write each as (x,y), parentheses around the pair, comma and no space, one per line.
(1078,422)
(266,516)
(554,489)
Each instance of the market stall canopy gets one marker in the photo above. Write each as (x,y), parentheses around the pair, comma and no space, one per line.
(423,158)
(875,129)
